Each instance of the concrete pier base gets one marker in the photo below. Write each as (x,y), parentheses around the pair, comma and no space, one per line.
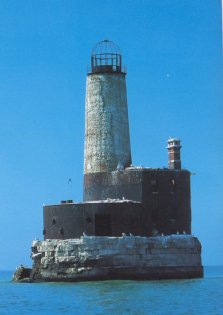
(127,257)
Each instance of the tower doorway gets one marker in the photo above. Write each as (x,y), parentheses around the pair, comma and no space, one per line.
(102,225)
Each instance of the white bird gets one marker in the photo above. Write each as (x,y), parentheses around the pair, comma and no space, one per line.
(120,166)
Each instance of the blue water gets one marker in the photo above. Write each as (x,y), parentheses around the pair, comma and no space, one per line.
(178,297)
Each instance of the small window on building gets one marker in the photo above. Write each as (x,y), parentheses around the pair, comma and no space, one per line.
(54,221)
(154,185)
(173,185)
(60,231)
(88,220)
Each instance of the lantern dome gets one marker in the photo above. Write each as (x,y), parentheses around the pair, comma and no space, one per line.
(106,57)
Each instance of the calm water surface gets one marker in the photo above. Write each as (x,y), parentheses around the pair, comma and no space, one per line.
(183,297)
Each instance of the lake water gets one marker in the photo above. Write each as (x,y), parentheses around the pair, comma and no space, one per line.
(178,297)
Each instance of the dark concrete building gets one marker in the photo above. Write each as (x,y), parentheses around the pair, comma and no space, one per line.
(142,202)
(119,198)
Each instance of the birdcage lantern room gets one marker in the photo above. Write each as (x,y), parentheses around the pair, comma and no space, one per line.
(106,58)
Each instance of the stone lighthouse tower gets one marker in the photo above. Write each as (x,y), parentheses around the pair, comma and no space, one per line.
(107,141)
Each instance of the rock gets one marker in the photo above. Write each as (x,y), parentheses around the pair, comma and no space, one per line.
(22,274)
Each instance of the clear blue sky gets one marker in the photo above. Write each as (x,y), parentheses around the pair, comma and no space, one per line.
(172,50)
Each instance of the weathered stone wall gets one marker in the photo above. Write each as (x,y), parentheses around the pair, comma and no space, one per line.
(107,141)
(128,257)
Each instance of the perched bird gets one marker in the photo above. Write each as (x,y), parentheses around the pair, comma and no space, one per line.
(120,166)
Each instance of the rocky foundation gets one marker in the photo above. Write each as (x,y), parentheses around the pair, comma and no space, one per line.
(22,274)
(127,257)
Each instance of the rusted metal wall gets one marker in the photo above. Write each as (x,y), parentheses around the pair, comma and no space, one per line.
(164,193)
(167,194)
(161,203)
(67,221)
(107,141)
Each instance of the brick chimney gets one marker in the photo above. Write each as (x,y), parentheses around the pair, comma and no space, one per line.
(173,147)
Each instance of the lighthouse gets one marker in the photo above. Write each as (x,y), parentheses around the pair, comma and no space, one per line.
(134,222)
(107,140)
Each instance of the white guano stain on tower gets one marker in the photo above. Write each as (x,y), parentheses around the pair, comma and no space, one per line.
(107,141)
(107,144)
